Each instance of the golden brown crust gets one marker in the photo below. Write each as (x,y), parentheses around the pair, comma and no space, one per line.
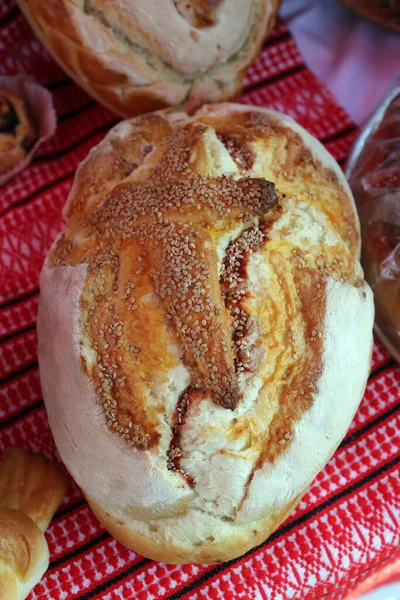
(22,544)
(8,583)
(126,153)
(141,236)
(31,489)
(202,272)
(127,76)
(31,484)
(294,164)
(162,548)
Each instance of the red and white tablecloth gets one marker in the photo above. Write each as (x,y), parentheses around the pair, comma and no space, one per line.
(347,526)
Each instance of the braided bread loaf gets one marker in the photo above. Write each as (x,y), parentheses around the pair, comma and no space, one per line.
(136,56)
(204,328)
(31,488)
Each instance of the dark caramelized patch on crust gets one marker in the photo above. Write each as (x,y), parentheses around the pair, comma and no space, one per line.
(235,290)
(174,452)
(242,155)
(199,13)
(233,281)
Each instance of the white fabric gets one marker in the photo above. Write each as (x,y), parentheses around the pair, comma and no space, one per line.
(356,59)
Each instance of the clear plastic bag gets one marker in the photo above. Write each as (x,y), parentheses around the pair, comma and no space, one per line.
(373,169)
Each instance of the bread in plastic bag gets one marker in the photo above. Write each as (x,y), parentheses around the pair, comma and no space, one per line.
(373,169)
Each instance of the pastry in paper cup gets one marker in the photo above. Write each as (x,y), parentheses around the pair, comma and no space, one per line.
(27,119)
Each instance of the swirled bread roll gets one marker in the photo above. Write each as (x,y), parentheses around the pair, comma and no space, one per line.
(136,56)
(31,488)
(204,327)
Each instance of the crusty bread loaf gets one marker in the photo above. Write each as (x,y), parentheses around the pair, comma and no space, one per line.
(136,56)
(31,488)
(204,328)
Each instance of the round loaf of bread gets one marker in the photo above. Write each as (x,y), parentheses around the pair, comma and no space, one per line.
(204,328)
(136,56)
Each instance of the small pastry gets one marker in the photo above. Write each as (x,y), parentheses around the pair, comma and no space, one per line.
(27,119)
(31,489)
(17,132)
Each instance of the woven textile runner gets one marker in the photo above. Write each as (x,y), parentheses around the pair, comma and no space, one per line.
(347,526)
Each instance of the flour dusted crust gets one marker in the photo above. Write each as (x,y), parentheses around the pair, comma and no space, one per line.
(136,56)
(204,328)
